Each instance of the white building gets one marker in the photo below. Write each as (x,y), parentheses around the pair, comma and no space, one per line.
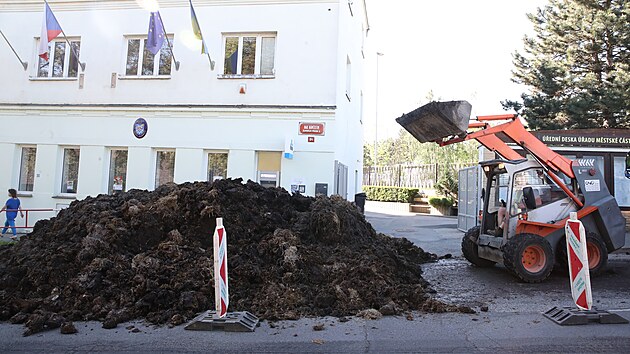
(68,133)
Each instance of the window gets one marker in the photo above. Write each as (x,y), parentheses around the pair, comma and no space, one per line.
(141,62)
(62,62)
(544,189)
(27,169)
(217,166)
(621,180)
(249,55)
(164,167)
(70,174)
(497,197)
(117,172)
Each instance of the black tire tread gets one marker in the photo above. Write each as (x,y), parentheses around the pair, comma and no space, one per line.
(561,252)
(512,255)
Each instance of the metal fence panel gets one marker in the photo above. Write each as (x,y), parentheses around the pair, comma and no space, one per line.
(468,196)
(411,176)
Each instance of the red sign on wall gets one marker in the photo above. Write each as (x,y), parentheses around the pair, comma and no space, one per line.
(312,128)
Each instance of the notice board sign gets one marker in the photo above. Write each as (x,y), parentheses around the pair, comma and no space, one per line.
(312,128)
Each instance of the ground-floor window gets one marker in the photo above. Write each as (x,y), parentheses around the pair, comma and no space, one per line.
(217,166)
(117,171)
(27,169)
(164,167)
(70,174)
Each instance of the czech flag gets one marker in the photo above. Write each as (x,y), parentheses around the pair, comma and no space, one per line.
(50,30)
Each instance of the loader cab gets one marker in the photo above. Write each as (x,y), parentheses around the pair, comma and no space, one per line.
(520,190)
(495,197)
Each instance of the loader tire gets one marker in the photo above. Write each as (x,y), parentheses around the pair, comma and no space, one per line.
(595,249)
(470,250)
(597,254)
(529,257)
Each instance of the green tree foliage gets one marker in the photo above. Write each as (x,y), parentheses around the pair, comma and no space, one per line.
(405,149)
(577,66)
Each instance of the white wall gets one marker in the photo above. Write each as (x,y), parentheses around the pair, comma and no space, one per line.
(195,110)
(305,53)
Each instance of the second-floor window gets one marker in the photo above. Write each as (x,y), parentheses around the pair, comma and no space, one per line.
(141,62)
(61,60)
(249,54)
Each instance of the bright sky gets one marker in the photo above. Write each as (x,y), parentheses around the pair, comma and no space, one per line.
(459,49)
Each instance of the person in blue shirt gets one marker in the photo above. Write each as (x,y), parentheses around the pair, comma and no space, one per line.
(12,206)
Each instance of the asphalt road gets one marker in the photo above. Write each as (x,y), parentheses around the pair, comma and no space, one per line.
(513,321)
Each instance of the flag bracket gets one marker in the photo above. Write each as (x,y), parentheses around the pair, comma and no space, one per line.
(567,316)
(24,63)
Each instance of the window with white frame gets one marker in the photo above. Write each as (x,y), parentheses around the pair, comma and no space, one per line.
(62,59)
(27,169)
(141,62)
(117,171)
(70,170)
(164,167)
(249,54)
(217,166)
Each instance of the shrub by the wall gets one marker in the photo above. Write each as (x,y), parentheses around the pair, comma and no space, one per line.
(390,194)
(438,202)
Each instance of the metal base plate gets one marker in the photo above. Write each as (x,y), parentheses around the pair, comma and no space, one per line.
(232,322)
(568,316)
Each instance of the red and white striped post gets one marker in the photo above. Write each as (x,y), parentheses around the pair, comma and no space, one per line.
(221,295)
(578,263)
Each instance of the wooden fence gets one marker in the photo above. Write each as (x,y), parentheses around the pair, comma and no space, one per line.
(412,176)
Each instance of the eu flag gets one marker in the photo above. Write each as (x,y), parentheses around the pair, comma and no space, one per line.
(155,37)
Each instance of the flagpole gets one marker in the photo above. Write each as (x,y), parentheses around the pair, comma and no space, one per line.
(24,64)
(66,38)
(73,51)
(208,54)
(168,42)
(203,42)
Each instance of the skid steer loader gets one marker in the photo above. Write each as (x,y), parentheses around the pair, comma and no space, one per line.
(526,201)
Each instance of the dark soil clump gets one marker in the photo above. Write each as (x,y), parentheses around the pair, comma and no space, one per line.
(148,255)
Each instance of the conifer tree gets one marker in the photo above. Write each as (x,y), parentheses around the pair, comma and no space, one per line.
(577,66)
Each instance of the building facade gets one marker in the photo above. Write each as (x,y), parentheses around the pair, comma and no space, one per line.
(281,106)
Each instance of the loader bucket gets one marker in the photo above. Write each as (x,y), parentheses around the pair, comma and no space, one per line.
(437,120)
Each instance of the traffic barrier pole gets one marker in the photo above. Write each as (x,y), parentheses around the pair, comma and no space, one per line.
(221,295)
(578,263)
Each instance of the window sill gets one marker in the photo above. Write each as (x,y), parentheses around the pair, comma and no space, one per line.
(65,196)
(254,77)
(145,77)
(31,78)
(25,194)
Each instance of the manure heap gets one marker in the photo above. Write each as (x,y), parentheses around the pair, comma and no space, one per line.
(148,255)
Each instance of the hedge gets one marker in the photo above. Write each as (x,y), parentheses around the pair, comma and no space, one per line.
(390,194)
(438,202)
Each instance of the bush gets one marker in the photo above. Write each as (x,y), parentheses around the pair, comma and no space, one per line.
(438,202)
(447,185)
(390,194)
